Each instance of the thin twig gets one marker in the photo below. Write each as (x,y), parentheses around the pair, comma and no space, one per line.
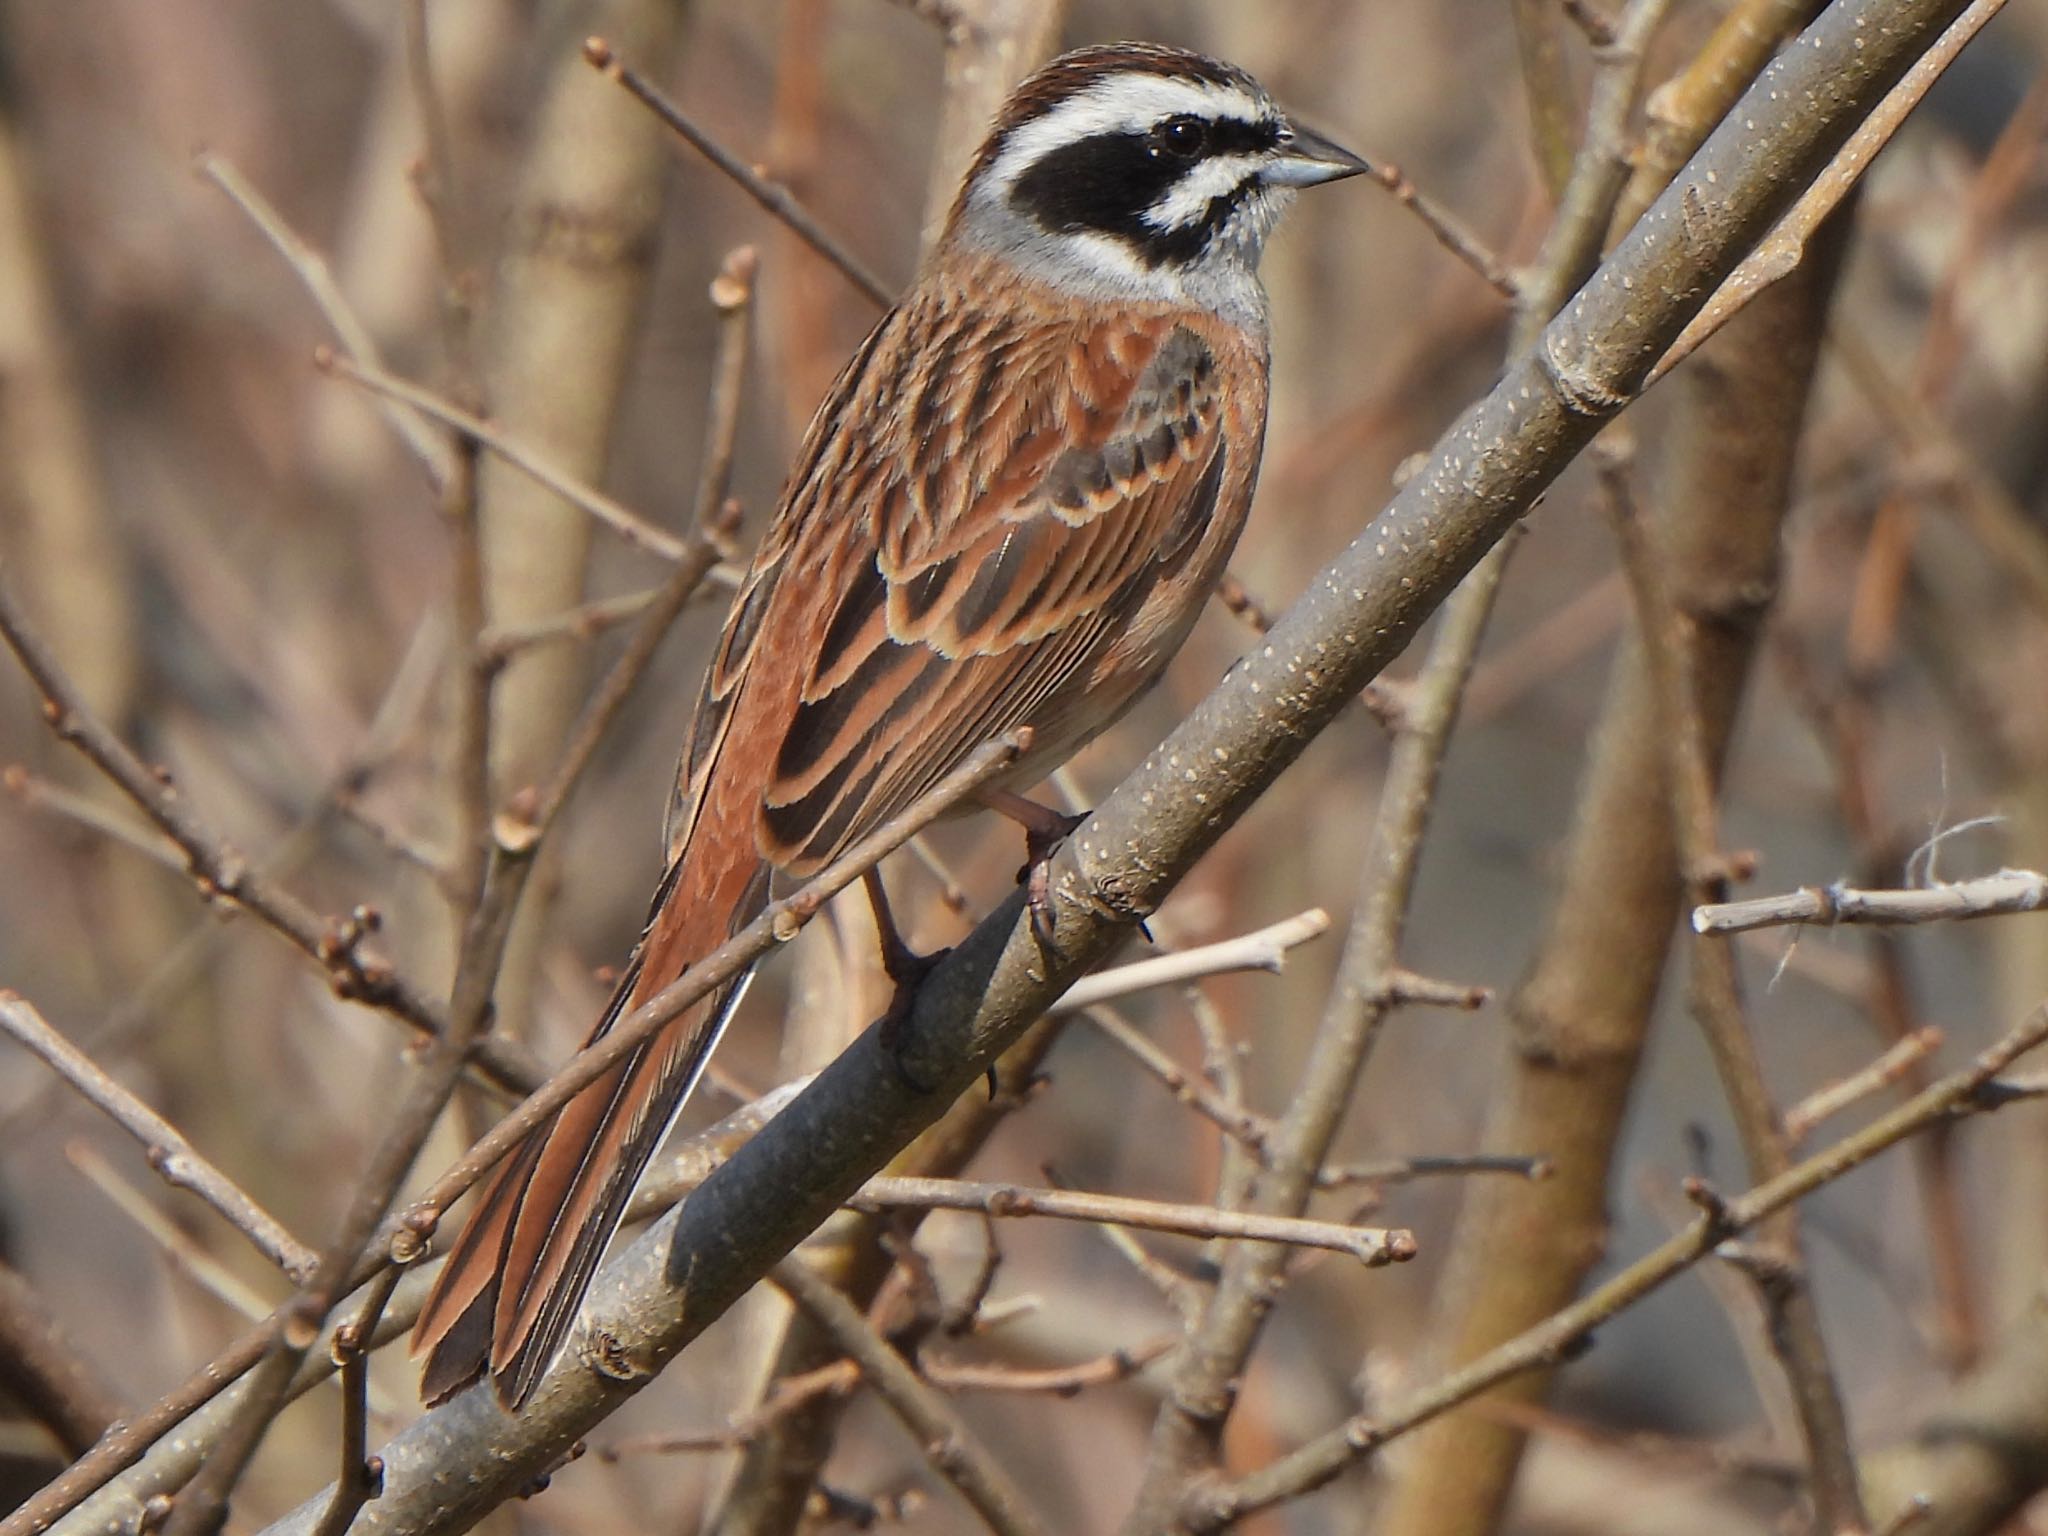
(1404,1170)
(1714,996)
(1055,1380)
(1263,950)
(785,1395)
(1217,1505)
(622,520)
(500,643)
(2007,891)
(1233,1119)
(1453,235)
(1371,1246)
(54,800)
(362,1475)
(1888,1069)
(180,1251)
(951,1448)
(174,1158)
(222,874)
(770,194)
(313,272)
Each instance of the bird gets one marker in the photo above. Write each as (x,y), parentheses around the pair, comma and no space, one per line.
(1006,514)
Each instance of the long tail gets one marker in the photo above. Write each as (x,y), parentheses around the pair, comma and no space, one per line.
(516,1277)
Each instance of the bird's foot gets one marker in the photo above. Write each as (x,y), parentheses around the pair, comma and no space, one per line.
(1044,830)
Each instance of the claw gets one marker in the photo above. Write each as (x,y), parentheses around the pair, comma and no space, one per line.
(907,969)
(1044,830)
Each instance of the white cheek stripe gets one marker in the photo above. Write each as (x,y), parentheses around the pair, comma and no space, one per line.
(1120,104)
(1187,201)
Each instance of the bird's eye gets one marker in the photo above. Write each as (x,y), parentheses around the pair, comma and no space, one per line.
(1181,137)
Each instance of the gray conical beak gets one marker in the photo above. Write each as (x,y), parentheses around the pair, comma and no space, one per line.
(1307,159)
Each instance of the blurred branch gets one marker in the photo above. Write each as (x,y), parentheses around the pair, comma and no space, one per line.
(1714,997)
(1371,1246)
(572,273)
(1403,1170)
(317,276)
(183,1255)
(951,1448)
(1581,1013)
(1217,1505)
(1547,85)
(990,45)
(2005,529)
(771,195)
(586,621)
(1684,109)
(42,1367)
(466,1456)
(175,1159)
(1450,233)
(1825,1103)
(223,875)
(39,794)
(1979,1452)
(395,716)
(622,520)
(1781,254)
(2007,891)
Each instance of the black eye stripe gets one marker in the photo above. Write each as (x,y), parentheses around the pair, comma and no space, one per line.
(1108,182)
(1236,136)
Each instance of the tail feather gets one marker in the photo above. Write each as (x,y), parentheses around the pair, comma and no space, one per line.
(515,1278)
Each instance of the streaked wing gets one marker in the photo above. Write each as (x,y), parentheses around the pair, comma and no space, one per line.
(991,550)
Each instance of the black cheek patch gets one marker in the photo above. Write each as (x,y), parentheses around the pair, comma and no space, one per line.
(1103,183)
(1106,183)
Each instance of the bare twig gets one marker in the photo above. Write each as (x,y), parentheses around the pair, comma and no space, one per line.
(1404,1170)
(1232,1118)
(1219,1504)
(39,794)
(1055,1380)
(1263,950)
(170,1154)
(1450,233)
(615,515)
(501,643)
(770,194)
(222,874)
(2007,891)
(362,1474)
(784,1396)
(313,272)
(1372,1246)
(951,1448)
(1891,1067)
